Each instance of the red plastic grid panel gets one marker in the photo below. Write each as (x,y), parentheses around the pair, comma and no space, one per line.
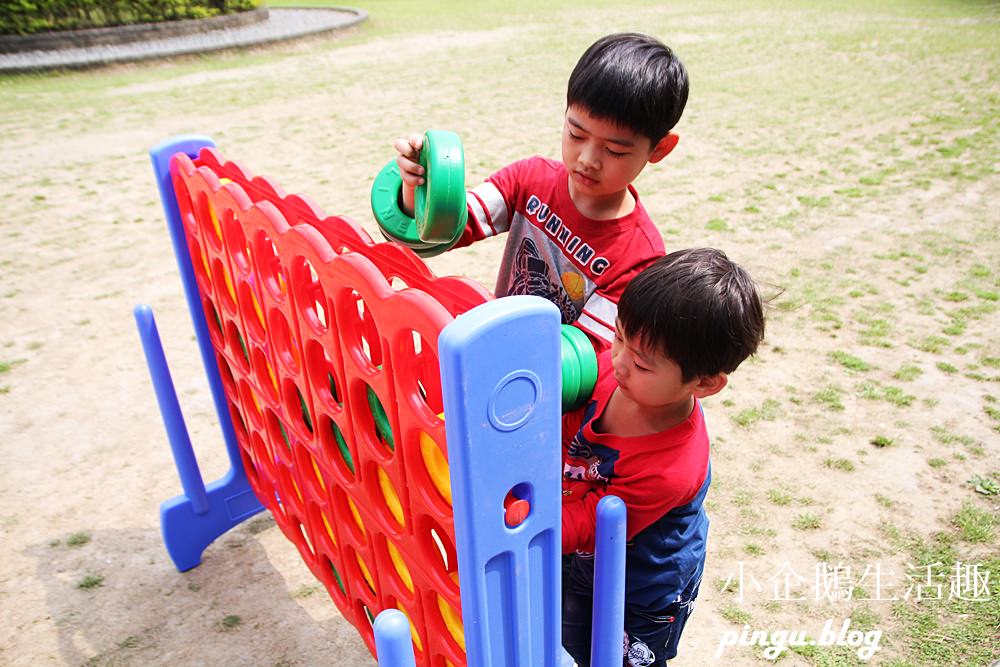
(317,329)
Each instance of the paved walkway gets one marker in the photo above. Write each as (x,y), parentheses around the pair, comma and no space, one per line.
(281,24)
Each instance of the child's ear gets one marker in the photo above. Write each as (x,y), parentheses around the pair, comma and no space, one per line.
(663,147)
(709,385)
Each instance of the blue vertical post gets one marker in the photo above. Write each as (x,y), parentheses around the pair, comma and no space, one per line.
(500,376)
(170,409)
(160,155)
(393,646)
(608,621)
(192,521)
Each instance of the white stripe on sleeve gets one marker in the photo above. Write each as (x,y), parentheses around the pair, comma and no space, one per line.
(489,204)
(595,327)
(603,310)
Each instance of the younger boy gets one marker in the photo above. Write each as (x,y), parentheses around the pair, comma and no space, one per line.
(684,324)
(577,231)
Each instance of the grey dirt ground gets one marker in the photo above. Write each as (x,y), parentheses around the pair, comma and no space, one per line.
(281,24)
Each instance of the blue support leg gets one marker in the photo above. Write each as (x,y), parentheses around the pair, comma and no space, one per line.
(608,623)
(393,646)
(188,525)
(192,521)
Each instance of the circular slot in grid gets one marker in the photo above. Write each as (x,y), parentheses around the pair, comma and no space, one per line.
(239,425)
(305,545)
(398,564)
(288,489)
(213,321)
(437,548)
(237,243)
(334,447)
(387,501)
(312,476)
(338,580)
(263,374)
(208,221)
(279,436)
(250,469)
(359,569)
(417,370)
(220,276)
(225,374)
(348,516)
(358,331)
(249,308)
(320,369)
(261,458)
(452,621)
(435,467)
(269,266)
(381,428)
(328,527)
(295,404)
(186,206)
(310,296)
(237,346)
(286,347)
(199,263)
(251,405)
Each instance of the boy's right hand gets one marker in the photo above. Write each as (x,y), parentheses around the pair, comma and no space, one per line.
(410,170)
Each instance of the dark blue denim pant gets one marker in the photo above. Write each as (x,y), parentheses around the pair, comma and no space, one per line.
(651,636)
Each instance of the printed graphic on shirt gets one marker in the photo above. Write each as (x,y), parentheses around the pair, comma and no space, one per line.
(589,463)
(531,276)
(638,653)
(564,236)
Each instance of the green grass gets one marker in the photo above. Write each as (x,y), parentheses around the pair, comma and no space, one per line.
(850,362)
(78,539)
(768,411)
(779,497)
(230,622)
(839,464)
(734,614)
(7,366)
(881,441)
(908,372)
(806,521)
(90,581)
(830,398)
(974,524)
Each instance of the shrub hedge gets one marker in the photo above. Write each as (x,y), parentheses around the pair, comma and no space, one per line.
(25,17)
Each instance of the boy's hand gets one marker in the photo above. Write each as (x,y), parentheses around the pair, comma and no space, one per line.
(409,167)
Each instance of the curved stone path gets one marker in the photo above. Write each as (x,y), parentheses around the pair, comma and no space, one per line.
(281,24)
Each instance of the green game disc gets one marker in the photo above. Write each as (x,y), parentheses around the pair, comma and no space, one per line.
(439,205)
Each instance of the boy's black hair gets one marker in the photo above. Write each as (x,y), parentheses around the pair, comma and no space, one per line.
(697,307)
(633,80)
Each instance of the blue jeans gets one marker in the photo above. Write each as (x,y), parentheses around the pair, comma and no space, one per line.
(651,636)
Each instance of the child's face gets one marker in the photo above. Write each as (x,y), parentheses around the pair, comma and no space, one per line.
(602,158)
(647,376)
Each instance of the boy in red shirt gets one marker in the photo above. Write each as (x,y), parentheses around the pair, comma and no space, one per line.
(576,230)
(683,325)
